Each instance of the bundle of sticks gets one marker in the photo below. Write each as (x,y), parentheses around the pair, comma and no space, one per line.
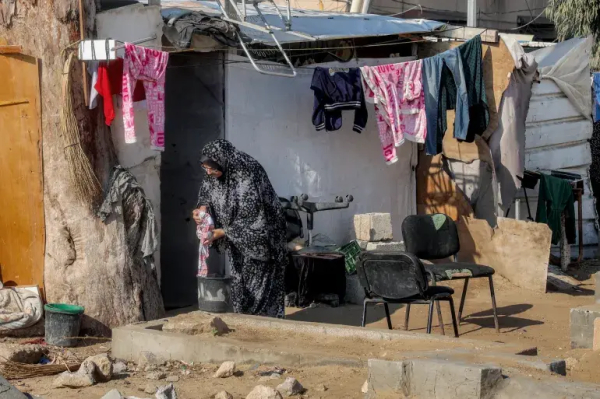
(18,371)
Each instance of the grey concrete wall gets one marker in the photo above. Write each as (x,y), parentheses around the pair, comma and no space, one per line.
(194,116)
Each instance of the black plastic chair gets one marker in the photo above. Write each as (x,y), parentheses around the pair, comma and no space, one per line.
(399,277)
(436,237)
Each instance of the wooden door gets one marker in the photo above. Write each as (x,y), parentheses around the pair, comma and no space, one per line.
(22,235)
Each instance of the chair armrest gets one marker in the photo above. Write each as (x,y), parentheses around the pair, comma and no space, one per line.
(433,281)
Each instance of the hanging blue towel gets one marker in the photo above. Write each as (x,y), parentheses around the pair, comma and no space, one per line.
(596,88)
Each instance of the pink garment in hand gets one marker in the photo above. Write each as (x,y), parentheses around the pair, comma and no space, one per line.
(149,66)
(204,231)
(397,91)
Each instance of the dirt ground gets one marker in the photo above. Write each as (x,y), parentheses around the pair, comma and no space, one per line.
(340,382)
(526,318)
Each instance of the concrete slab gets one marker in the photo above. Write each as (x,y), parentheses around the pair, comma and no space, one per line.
(435,379)
(582,325)
(519,387)
(267,341)
(392,246)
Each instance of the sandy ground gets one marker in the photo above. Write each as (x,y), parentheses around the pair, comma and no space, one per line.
(526,318)
(340,382)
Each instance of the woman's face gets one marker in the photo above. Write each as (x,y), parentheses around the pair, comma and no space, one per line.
(211,171)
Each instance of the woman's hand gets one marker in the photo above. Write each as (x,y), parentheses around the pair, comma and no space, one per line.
(216,234)
(196,214)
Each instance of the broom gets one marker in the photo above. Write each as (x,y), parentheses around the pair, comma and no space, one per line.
(20,371)
(87,186)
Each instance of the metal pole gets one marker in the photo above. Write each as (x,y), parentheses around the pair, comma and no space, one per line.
(472,13)
(356,6)
(365,6)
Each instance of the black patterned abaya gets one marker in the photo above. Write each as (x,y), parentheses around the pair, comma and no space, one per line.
(245,205)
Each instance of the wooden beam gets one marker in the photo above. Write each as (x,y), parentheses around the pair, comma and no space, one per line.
(11,49)
(464,33)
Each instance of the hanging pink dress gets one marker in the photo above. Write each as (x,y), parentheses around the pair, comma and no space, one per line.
(149,66)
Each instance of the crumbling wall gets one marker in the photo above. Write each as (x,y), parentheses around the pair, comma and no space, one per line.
(86,261)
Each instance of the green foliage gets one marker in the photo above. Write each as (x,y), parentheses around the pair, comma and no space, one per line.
(577,18)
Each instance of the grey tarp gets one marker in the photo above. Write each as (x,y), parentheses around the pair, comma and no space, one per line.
(126,196)
(566,64)
(507,142)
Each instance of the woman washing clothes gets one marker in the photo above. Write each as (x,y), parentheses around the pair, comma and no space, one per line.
(249,224)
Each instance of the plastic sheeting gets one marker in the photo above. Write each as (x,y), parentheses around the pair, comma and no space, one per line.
(563,64)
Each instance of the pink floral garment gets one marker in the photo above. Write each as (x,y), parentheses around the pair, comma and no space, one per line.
(150,66)
(397,91)
(204,230)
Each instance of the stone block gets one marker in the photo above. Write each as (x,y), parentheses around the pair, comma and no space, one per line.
(393,246)
(582,326)
(355,293)
(596,340)
(373,227)
(387,377)
(440,379)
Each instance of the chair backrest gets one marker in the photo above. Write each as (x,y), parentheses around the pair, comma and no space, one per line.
(293,220)
(391,275)
(430,236)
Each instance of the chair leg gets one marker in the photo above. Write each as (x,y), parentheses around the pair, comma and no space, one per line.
(387,315)
(430,316)
(454,323)
(493,294)
(439,312)
(406,316)
(364,315)
(462,300)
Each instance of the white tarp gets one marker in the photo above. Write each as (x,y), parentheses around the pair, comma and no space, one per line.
(567,65)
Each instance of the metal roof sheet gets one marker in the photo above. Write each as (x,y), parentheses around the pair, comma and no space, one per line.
(319,24)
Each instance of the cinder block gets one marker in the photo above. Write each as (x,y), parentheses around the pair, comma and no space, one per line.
(373,227)
(596,343)
(441,379)
(387,377)
(355,293)
(393,246)
(582,326)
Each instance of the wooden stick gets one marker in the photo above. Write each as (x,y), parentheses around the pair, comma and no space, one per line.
(86,94)
(11,49)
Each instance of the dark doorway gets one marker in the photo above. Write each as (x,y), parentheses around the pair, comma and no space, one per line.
(194,116)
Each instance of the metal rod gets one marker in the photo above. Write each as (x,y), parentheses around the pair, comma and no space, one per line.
(472,13)
(146,39)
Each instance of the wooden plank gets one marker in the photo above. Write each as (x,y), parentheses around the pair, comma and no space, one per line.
(554,158)
(11,49)
(549,134)
(22,234)
(465,33)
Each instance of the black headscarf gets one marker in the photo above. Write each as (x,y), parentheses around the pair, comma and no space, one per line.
(244,203)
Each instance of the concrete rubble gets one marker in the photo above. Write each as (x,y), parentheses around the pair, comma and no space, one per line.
(94,369)
(164,392)
(7,391)
(223,395)
(264,392)
(290,387)
(226,370)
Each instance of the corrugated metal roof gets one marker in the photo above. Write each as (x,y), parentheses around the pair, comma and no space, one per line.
(319,24)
